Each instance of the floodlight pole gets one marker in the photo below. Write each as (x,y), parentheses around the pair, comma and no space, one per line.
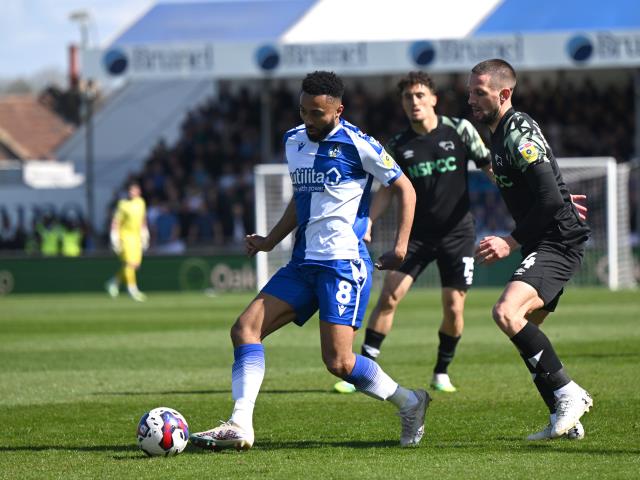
(82,18)
(87,100)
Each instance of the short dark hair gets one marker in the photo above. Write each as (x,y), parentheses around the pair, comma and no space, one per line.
(416,78)
(499,70)
(323,83)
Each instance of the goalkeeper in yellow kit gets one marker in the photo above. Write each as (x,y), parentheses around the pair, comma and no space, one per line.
(129,237)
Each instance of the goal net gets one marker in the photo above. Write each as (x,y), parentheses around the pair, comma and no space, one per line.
(608,258)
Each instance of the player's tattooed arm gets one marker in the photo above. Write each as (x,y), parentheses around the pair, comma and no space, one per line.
(257,243)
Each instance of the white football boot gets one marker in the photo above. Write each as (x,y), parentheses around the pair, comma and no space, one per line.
(569,410)
(227,435)
(412,420)
(442,383)
(575,433)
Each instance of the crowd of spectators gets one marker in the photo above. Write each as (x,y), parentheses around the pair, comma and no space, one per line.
(200,191)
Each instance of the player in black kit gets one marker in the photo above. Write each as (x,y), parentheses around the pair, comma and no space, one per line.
(434,152)
(550,232)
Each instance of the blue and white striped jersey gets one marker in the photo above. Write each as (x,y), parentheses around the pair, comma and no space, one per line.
(332,187)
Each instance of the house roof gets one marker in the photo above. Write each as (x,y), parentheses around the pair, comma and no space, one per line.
(28,129)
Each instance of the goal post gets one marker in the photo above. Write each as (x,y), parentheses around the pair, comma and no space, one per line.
(608,216)
(608,257)
(273,191)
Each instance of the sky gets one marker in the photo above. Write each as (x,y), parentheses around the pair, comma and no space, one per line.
(35,34)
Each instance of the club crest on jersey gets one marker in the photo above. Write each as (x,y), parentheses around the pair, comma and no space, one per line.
(447,145)
(498,159)
(529,151)
(334,151)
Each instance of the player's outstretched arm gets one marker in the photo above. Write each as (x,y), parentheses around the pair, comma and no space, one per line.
(257,243)
(403,189)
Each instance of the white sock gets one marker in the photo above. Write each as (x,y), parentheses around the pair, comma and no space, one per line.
(571,388)
(246,378)
(242,414)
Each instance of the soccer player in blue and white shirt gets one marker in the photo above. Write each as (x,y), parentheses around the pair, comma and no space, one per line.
(332,165)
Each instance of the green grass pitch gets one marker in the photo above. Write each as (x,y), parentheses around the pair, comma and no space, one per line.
(78,371)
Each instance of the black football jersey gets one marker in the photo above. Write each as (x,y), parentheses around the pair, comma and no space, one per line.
(437,165)
(517,144)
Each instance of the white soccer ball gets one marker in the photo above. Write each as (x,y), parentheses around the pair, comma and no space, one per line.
(162,432)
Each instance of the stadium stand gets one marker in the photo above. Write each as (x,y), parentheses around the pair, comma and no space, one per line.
(199,182)
(200,188)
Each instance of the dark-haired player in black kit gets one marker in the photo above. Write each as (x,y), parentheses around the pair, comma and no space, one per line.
(550,232)
(434,152)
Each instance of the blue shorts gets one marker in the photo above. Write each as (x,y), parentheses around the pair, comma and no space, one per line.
(338,288)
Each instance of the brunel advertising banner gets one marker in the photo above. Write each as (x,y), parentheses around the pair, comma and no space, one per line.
(577,50)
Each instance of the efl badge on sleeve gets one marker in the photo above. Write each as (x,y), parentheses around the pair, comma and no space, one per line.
(387,159)
(529,151)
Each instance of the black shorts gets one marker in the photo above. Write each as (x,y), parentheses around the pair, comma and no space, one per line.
(453,252)
(547,268)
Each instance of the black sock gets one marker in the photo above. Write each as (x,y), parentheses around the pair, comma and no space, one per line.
(446,351)
(372,343)
(543,387)
(537,349)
